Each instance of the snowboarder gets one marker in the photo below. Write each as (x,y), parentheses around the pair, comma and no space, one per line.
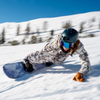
(64,45)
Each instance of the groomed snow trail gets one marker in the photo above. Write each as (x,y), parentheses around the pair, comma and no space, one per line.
(51,83)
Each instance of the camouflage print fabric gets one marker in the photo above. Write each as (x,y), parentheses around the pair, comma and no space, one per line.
(52,53)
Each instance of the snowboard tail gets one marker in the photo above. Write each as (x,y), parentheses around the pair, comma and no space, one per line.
(16,70)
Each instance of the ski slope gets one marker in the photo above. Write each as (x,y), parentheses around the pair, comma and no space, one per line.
(55,82)
(55,24)
(51,83)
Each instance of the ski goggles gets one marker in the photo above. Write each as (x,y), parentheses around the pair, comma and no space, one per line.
(66,45)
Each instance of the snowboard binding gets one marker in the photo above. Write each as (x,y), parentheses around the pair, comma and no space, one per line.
(27,66)
(48,64)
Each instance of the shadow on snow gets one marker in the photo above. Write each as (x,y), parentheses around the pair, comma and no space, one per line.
(66,69)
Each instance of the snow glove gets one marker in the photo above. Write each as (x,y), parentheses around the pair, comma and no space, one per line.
(79,77)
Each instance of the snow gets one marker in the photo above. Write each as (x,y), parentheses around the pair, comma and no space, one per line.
(55,82)
(52,24)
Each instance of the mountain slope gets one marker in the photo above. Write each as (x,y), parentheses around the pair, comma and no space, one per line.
(51,83)
(91,19)
(55,82)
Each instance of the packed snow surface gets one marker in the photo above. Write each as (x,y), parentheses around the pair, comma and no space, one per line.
(51,83)
(55,82)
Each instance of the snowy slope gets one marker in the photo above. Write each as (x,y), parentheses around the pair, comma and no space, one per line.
(55,82)
(52,23)
(51,83)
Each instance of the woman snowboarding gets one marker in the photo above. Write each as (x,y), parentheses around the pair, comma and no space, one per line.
(64,45)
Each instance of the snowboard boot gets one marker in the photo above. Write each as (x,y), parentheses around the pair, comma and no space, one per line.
(27,66)
(48,64)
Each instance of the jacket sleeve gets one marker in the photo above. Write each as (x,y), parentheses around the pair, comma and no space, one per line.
(48,52)
(53,45)
(85,63)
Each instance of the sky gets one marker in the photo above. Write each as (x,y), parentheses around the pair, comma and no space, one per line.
(25,10)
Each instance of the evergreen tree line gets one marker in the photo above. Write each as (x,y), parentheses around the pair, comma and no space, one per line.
(35,39)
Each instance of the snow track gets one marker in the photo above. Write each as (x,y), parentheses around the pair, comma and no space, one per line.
(51,83)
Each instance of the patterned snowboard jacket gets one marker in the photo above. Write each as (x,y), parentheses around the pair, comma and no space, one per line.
(53,53)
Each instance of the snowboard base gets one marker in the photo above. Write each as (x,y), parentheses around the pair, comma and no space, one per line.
(16,70)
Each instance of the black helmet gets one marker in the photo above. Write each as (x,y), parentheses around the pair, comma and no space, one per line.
(69,35)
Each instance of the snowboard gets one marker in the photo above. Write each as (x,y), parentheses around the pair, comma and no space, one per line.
(16,70)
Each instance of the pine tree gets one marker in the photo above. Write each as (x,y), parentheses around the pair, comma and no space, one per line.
(51,36)
(67,25)
(3,36)
(27,29)
(40,40)
(81,27)
(52,32)
(18,30)
(33,39)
